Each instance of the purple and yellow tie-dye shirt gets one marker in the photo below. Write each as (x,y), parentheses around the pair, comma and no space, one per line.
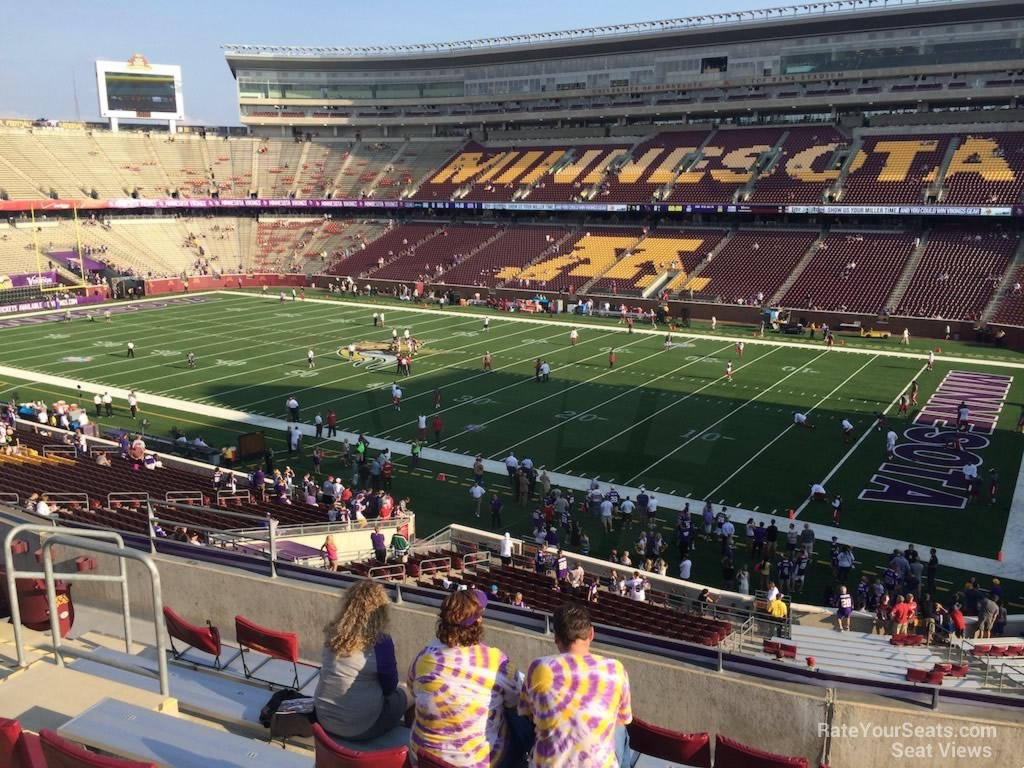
(461,695)
(575,702)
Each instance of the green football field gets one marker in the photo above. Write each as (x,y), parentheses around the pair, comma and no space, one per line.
(663,417)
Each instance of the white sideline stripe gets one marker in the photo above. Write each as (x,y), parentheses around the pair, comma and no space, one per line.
(606,402)
(784,432)
(860,440)
(661,410)
(729,415)
(518,318)
(1013,538)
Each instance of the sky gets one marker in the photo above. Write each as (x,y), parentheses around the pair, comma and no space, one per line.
(48,54)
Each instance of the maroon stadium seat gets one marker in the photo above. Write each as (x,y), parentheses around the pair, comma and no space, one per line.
(19,749)
(732,754)
(663,744)
(205,639)
(331,755)
(273,644)
(61,753)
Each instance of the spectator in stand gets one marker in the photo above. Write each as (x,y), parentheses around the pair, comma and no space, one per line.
(400,546)
(464,692)
(579,702)
(330,551)
(358,696)
(845,609)
(42,507)
(956,618)
(988,612)
(900,616)
(778,610)
(380,549)
(883,614)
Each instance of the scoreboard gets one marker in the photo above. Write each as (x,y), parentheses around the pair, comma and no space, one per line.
(138,89)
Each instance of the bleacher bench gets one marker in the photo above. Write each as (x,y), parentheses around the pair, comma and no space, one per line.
(141,734)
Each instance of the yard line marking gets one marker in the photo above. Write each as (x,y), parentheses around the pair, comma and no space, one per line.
(250,371)
(87,329)
(787,429)
(655,413)
(461,381)
(862,438)
(604,403)
(559,393)
(160,331)
(728,415)
(716,337)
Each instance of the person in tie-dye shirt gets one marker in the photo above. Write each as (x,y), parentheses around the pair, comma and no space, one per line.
(461,688)
(578,701)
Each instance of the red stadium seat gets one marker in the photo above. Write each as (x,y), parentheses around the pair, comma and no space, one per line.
(205,639)
(331,755)
(61,753)
(19,749)
(274,645)
(732,754)
(663,744)
(916,675)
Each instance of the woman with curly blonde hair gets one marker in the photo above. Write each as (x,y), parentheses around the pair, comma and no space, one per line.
(358,697)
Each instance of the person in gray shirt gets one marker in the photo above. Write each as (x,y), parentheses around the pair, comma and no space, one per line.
(358,696)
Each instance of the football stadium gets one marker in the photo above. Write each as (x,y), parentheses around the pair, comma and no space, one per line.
(640,395)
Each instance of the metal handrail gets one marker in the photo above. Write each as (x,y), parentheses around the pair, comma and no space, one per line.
(122,496)
(390,571)
(178,496)
(13,576)
(60,450)
(122,554)
(435,565)
(271,524)
(67,498)
(241,493)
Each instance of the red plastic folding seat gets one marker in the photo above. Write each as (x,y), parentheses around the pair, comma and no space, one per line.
(273,644)
(916,675)
(205,639)
(332,755)
(682,748)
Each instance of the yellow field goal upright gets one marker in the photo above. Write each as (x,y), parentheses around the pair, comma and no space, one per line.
(57,286)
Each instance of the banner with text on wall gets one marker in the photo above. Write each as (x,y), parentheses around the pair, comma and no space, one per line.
(42,206)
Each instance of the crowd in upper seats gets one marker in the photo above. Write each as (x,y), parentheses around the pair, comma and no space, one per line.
(463,699)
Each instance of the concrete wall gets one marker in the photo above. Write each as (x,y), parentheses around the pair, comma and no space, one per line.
(769,715)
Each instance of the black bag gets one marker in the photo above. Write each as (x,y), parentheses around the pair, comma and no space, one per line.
(271,707)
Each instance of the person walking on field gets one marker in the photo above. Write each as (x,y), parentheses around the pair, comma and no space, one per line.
(611,358)
(438,426)
(131,349)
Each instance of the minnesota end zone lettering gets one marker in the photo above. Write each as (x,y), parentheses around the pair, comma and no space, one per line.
(925,471)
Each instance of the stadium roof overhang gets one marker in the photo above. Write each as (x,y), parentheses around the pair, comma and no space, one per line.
(836,16)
